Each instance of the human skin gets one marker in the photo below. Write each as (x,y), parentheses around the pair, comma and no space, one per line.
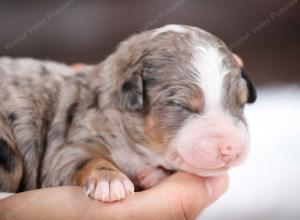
(181,196)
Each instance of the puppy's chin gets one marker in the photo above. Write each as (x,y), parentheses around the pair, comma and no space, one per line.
(179,164)
(205,172)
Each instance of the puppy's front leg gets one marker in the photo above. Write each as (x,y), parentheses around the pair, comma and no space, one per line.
(104,181)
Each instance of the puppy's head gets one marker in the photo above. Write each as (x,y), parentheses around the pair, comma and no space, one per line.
(181,94)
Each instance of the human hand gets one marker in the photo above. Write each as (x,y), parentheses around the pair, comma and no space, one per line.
(181,196)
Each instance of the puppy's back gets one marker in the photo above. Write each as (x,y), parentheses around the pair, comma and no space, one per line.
(28,68)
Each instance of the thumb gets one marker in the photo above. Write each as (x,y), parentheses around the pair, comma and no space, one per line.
(196,193)
(216,186)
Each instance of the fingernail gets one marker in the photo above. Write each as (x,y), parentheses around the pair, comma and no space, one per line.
(216,186)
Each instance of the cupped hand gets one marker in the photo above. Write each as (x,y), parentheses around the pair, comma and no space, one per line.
(181,196)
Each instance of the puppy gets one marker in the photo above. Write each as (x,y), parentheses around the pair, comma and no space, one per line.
(167,99)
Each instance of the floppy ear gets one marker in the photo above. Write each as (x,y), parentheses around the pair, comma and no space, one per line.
(252,95)
(130,95)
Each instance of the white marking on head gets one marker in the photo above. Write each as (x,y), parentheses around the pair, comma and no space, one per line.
(170,27)
(210,72)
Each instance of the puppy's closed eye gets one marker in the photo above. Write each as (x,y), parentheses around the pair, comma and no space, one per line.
(177,104)
(182,106)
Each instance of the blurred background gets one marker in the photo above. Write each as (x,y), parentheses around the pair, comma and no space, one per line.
(266,34)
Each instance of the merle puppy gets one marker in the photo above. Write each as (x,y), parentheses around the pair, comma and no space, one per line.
(167,99)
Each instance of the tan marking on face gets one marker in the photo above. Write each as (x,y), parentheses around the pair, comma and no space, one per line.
(196,102)
(157,136)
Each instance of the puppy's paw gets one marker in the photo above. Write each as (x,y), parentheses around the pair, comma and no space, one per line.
(108,186)
(150,176)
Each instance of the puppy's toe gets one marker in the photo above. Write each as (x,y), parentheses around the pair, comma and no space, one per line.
(102,190)
(151,177)
(117,190)
(128,186)
(109,186)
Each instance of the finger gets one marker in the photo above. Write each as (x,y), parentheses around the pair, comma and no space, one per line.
(197,192)
(238,60)
(77,66)
(216,186)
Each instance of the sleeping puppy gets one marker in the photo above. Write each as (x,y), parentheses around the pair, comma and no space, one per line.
(167,99)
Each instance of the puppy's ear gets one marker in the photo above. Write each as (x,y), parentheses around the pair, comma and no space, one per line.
(252,94)
(130,95)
